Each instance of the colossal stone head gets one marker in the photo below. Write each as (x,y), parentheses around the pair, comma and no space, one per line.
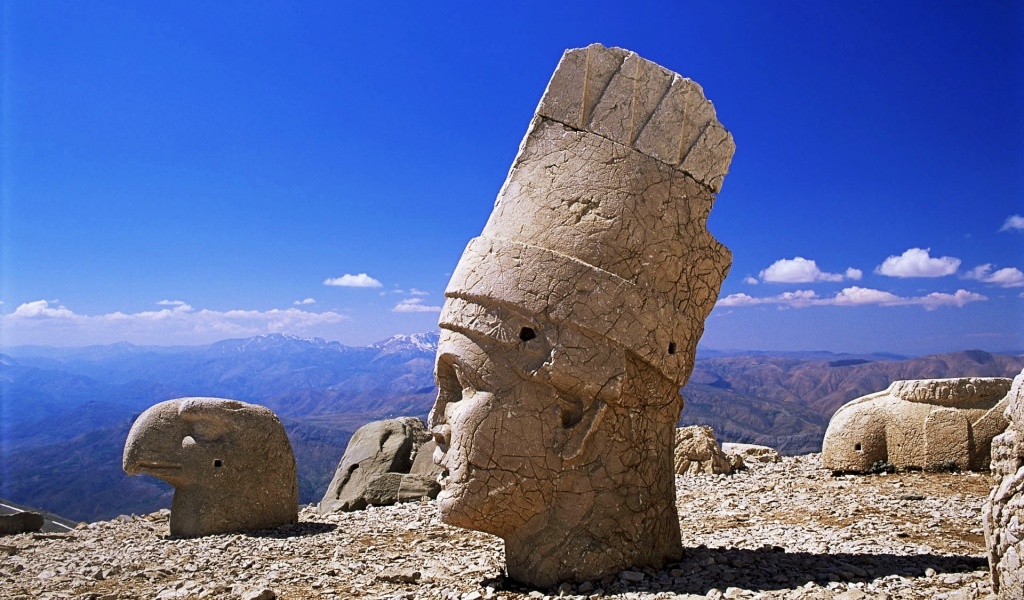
(230,463)
(570,324)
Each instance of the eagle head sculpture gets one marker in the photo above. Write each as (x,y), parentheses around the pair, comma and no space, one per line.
(230,462)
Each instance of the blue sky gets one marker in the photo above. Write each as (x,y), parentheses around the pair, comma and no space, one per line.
(182,172)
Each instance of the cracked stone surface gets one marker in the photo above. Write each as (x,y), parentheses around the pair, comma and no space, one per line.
(571,322)
(385,462)
(926,423)
(1004,511)
(230,462)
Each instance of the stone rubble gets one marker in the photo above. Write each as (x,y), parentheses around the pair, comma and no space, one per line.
(783,530)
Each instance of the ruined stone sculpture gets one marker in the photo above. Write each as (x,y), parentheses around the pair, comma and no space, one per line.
(934,424)
(697,452)
(230,463)
(1003,514)
(570,324)
(752,453)
(385,462)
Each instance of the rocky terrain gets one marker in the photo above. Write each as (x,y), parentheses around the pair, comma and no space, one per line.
(782,530)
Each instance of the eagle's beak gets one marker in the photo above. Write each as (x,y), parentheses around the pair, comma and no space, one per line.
(154,442)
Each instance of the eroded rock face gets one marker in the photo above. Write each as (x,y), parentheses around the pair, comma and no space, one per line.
(570,324)
(932,424)
(1003,514)
(230,462)
(385,462)
(697,451)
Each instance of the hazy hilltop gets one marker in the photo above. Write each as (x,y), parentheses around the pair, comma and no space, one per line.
(66,411)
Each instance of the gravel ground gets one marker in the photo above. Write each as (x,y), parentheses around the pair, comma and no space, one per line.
(785,530)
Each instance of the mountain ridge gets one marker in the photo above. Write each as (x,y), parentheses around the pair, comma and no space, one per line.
(323,391)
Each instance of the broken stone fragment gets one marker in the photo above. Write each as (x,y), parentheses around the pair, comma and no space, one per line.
(22,522)
(697,452)
(571,322)
(375,469)
(230,462)
(935,424)
(752,453)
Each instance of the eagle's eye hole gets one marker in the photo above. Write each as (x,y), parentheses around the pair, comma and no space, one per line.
(217,463)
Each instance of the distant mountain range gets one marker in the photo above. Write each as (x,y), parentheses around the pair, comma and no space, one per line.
(65,412)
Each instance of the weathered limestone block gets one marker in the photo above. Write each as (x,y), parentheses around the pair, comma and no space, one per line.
(928,423)
(752,453)
(23,522)
(230,462)
(570,324)
(697,451)
(1003,514)
(374,469)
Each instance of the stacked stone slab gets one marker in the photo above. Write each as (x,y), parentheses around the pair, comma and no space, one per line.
(1003,515)
(230,462)
(571,322)
(385,462)
(934,424)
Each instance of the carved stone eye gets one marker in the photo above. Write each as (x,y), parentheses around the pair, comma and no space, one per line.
(527,333)
(217,463)
(671,347)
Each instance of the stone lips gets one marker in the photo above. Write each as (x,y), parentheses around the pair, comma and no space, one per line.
(929,424)
(1003,513)
(230,462)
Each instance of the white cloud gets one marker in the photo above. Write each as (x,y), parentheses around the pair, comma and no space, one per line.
(740,299)
(1007,277)
(411,305)
(854,296)
(41,309)
(750,280)
(49,322)
(1015,222)
(798,298)
(937,299)
(416,292)
(177,304)
(305,302)
(796,270)
(360,280)
(854,274)
(858,296)
(915,262)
